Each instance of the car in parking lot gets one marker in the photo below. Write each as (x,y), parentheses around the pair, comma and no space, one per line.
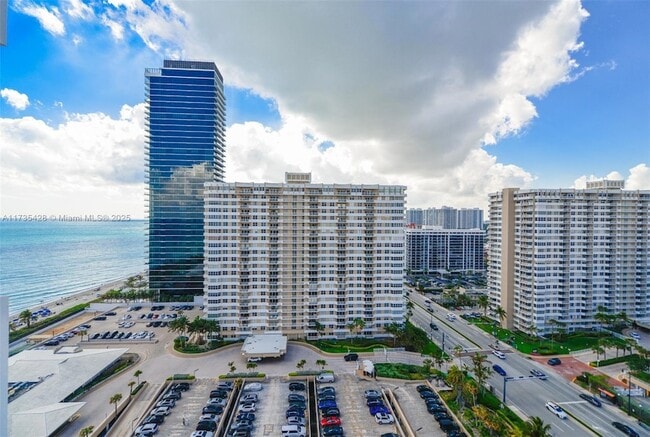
(351,357)
(212,409)
(241,426)
(626,429)
(441,415)
(448,425)
(327,389)
(554,362)
(295,420)
(436,408)
(371,394)
(161,411)
(384,418)
(591,399)
(206,425)
(297,386)
(538,373)
(499,370)
(295,413)
(146,430)
(202,434)
(218,394)
(326,397)
(246,408)
(331,412)
(254,359)
(185,386)
(378,409)
(371,402)
(323,405)
(222,402)
(250,397)
(296,397)
(166,403)
(426,394)
(253,386)
(212,417)
(332,431)
(330,421)
(499,354)
(556,409)
(224,385)
(325,377)
(245,416)
(154,418)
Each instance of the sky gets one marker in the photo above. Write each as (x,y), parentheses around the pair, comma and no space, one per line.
(455,100)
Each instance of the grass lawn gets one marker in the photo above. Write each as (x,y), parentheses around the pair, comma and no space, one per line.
(527,344)
(352,345)
(403,371)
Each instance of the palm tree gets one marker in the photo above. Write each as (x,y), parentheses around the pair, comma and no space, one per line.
(115,399)
(481,371)
(321,363)
(409,310)
(251,366)
(500,313)
(301,364)
(393,329)
(131,384)
(319,328)
(597,349)
(535,427)
(456,378)
(231,366)
(85,432)
(82,333)
(137,375)
(25,316)
(356,325)
(483,302)
(458,349)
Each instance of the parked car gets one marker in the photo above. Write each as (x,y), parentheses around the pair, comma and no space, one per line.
(371,402)
(331,412)
(202,434)
(330,421)
(296,386)
(296,397)
(378,409)
(626,429)
(422,387)
(212,409)
(325,377)
(448,425)
(351,357)
(254,359)
(154,418)
(294,413)
(161,410)
(332,431)
(441,416)
(499,370)
(537,373)
(245,416)
(556,409)
(426,394)
(250,397)
(322,405)
(224,385)
(295,420)
(247,408)
(554,362)
(436,408)
(635,335)
(206,425)
(384,419)
(166,403)
(371,394)
(146,430)
(327,389)
(591,399)
(253,386)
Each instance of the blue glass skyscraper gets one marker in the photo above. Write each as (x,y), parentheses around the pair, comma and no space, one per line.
(184,149)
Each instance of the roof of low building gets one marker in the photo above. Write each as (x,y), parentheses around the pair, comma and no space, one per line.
(265,345)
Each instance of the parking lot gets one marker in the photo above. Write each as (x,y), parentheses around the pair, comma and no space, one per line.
(422,423)
(271,408)
(355,418)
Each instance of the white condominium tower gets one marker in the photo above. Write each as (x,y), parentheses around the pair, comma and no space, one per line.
(298,256)
(556,255)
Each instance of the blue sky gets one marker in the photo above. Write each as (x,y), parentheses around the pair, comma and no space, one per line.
(551,94)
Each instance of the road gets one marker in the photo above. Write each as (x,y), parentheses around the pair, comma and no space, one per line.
(529,396)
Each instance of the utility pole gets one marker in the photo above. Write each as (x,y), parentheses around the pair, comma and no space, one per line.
(443,341)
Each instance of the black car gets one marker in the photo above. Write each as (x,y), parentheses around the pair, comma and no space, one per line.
(554,362)
(212,409)
(294,412)
(374,402)
(182,386)
(441,416)
(351,357)
(427,394)
(591,399)
(245,416)
(436,409)
(206,425)
(331,412)
(296,386)
(625,429)
(110,313)
(327,389)
(422,387)
(172,394)
(433,326)
(448,425)
(241,427)
(456,433)
(218,394)
(100,318)
(51,343)
(295,397)
(537,373)
(432,401)
(326,398)
(154,418)
(332,431)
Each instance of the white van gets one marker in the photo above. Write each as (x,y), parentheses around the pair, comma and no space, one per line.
(293,431)
(325,377)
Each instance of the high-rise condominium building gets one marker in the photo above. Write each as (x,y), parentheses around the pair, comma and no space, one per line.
(445,218)
(556,255)
(445,249)
(184,149)
(295,257)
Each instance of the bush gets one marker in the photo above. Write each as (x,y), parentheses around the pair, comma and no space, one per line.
(623,359)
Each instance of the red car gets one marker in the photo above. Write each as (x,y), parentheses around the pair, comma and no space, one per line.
(330,421)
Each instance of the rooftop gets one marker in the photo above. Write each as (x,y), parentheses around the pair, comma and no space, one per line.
(265,345)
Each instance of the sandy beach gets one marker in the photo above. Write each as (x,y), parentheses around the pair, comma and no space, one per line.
(60,304)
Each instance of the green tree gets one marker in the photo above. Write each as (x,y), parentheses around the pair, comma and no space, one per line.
(483,303)
(319,328)
(458,349)
(137,374)
(456,379)
(395,330)
(83,333)
(427,363)
(409,310)
(251,366)
(86,432)
(356,325)
(535,427)
(131,384)
(598,350)
(500,313)
(231,366)
(480,369)
(301,364)
(321,363)
(115,399)
(25,316)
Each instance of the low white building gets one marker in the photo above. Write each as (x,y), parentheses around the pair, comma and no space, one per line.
(264,346)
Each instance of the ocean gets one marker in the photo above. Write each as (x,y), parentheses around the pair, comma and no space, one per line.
(42,261)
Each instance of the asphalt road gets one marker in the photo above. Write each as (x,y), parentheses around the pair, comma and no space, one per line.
(529,396)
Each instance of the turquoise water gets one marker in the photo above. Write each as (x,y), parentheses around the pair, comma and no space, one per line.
(42,261)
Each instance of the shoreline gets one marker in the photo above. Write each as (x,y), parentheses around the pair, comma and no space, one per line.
(61,303)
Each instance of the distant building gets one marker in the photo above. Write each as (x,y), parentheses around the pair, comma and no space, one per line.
(559,254)
(445,249)
(286,257)
(185,149)
(445,218)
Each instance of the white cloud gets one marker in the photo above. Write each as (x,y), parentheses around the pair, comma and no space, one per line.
(78,9)
(50,18)
(14,98)
(638,178)
(92,161)
(77,39)
(117,30)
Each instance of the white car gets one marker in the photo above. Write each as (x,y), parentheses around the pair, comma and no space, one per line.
(221,402)
(212,417)
(499,354)
(384,419)
(451,317)
(202,434)
(254,359)
(556,409)
(161,411)
(146,430)
(253,386)
(635,335)
(247,408)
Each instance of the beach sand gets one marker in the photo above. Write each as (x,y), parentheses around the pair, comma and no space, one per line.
(62,303)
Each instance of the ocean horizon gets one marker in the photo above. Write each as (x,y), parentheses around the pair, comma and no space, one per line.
(44,261)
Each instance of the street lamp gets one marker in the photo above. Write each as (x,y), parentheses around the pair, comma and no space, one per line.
(629,391)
